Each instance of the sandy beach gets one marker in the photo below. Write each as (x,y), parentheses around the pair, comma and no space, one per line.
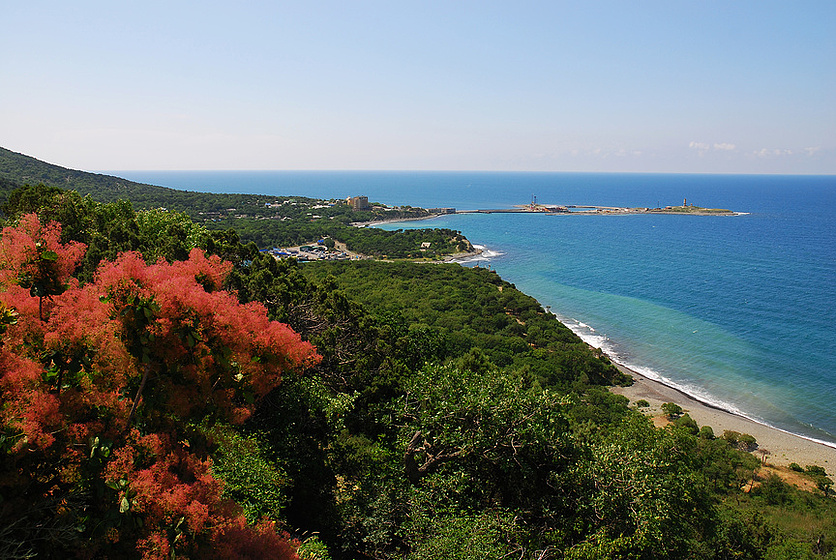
(783,448)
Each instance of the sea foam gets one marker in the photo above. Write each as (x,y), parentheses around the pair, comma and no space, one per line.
(485,254)
(602,342)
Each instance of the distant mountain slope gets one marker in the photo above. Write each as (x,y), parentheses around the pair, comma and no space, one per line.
(267,221)
(19,169)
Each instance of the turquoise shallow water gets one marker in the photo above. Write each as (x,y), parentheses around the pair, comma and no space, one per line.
(736,310)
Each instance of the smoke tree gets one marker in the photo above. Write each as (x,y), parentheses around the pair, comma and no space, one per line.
(101,387)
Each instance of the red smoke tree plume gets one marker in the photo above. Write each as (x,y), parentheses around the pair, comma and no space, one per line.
(101,386)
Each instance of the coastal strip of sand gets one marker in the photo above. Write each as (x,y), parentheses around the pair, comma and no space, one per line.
(783,447)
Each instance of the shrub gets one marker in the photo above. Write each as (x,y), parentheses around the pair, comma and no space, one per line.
(313,549)
(774,490)
(747,442)
(819,476)
(815,470)
(688,423)
(706,432)
(672,410)
(731,437)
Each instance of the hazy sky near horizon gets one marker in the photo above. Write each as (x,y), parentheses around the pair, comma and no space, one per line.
(650,86)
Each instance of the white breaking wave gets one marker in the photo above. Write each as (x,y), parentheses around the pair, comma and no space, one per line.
(597,340)
(485,254)
(591,337)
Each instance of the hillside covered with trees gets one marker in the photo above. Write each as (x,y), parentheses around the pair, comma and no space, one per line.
(169,391)
(267,221)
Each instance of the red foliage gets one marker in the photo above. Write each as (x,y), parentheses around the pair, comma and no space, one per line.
(32,257)
(238,541)
(29,413)
(211,354)
(21,246)
(165,335)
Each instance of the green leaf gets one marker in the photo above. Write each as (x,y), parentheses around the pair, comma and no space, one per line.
(50,256)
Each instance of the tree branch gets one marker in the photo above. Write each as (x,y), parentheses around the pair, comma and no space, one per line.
(433,460)
(146,369)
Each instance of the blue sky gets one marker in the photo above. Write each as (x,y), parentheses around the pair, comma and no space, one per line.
(667,86)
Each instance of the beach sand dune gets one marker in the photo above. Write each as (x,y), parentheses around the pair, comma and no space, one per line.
(783,448)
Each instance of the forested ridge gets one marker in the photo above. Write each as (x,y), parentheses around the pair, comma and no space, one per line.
(169,391)
(267,221)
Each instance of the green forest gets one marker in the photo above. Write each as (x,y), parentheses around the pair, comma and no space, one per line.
(168,390)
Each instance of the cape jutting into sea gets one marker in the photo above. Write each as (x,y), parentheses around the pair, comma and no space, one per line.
(738,311)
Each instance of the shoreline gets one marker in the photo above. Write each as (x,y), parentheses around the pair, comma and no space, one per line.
(460,258)
(782,447)
(777,447)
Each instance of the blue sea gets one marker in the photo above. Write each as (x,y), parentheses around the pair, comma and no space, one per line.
(738,311)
